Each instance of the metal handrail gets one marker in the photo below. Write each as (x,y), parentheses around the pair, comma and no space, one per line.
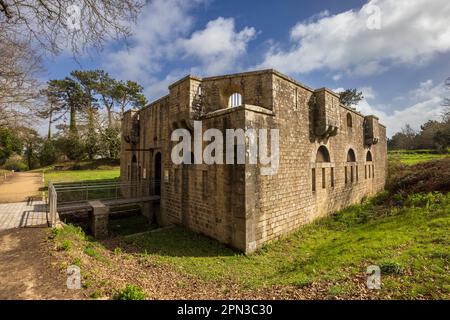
(52,204)
(77,193)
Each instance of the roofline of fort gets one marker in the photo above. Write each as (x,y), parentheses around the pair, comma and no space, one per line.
(257,72)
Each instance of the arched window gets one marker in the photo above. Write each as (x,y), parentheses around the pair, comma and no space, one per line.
(235,100)
(322,154)
(368,156)
(351,156)
(349,120)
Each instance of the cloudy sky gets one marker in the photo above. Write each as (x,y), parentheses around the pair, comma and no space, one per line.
(396,51)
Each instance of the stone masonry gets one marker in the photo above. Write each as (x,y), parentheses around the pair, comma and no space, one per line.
(330,156)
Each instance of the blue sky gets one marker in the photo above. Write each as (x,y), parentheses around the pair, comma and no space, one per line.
(397,52)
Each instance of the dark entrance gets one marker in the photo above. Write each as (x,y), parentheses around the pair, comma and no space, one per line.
(157,175)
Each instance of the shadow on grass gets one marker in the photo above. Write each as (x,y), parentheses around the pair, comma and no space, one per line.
(174,242)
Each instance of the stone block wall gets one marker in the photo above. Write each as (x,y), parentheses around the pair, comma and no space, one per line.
(235,204)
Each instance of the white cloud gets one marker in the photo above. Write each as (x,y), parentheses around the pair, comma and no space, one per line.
(164,35)
(425,104)
(411,32)
(368,92)
(161,23)
(218,45)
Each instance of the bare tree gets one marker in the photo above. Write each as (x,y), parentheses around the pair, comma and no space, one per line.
(55,25)
(19,89)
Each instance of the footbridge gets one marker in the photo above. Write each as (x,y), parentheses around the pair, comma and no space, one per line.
(98,198)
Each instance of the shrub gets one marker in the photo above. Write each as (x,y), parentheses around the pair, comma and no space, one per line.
(16,165)
(47,153)
(65,245)
(130,292)
(391,267)
(424,199)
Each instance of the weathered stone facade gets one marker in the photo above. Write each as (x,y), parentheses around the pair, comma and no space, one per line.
(330,156)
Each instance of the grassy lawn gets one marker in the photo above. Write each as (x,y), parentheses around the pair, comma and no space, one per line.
(411,157)
(405,233)
(81,175)
(409,241)
(410,244)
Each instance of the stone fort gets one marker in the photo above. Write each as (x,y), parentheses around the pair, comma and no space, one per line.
(330,156)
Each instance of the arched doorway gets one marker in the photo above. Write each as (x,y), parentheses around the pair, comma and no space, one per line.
(157,174)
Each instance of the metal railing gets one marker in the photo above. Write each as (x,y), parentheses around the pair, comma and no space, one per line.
(52,205)
(78,192)
(86,191)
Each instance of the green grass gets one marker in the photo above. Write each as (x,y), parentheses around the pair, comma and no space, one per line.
(410,244)
(130,292)
(411,157)
(81,175)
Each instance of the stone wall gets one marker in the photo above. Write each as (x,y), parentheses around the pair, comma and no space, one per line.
(235,204)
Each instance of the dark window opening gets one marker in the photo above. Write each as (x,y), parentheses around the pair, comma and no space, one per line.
(323,179)
(332,177)
(349,120)
(313,179)
(351,157)
(322,154)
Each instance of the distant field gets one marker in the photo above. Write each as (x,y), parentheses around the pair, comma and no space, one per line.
(411,157)
(73,171)
(81,175)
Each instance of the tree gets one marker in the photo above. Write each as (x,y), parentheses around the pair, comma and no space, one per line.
(105,87)
(47,153)
(70,146)
(9,143)
(442,139)
(32,142)
(404,139)
(54,25)
(128,94)
(110,143)
(425,138)
(69,97)
(350,97)
(19,89)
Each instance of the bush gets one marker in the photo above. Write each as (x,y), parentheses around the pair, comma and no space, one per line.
(47,153)
(9,144)
(424,199)
(130,292)
(71,146)
(419,178)
(16,165)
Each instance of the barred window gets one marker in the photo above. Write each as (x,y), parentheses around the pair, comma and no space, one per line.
(235,100)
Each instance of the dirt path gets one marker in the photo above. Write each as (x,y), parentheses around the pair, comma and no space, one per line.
(20,187)
(27,270)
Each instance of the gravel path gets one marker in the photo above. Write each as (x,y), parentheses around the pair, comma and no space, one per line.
(21,186)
